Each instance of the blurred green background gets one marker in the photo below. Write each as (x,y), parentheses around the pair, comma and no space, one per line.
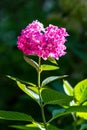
(16,15)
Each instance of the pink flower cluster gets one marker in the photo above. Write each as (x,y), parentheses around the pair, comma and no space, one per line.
(43,42)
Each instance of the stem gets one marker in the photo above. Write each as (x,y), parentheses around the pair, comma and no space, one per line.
(39,91)
(75,121)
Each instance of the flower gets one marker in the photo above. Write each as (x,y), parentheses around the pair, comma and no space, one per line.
(43,42)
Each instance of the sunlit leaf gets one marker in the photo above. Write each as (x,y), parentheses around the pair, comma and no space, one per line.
(34,89)
(67,88)
(82,114)
(31,62)
(26,127)
(28,91)
(51,78)
(52,60)
(34,126)
(17,116)
(22,127)
(45,67)
(50,96)
(80,91)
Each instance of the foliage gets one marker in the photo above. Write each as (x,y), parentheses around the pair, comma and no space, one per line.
(67,13)
(73,102)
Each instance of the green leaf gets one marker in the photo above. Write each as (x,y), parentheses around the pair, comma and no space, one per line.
(52,60)
(34,127)
(26,127)
(80,91)
(31,62)
(22,81)
(45,67)
(17,116)
(61,112)
(30,91)
(50,96)
(67,88)
(82,114)
(51,78)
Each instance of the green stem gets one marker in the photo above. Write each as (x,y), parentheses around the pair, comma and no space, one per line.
(39,91)
(75,121)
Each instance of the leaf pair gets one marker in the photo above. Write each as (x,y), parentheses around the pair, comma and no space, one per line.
(79,93)
(44,67)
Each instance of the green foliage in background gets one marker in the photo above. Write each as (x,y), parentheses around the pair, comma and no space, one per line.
(15,15)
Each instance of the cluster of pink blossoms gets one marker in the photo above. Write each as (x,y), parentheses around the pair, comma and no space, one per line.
(43,42)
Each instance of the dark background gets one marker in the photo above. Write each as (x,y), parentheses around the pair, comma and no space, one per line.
(16,15)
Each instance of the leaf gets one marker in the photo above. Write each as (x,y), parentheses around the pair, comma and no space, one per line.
(45,67)
(30,91)
(67,88)
(51,78)
(61,112)
(17,116)
(34,126)
(26,127)
(31,62)
(52,60)
(82,114)
(50,96)
(22,81)
(80,91)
